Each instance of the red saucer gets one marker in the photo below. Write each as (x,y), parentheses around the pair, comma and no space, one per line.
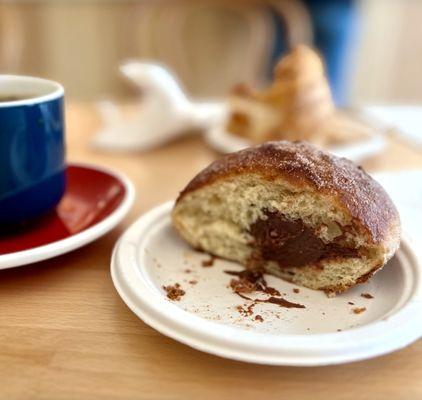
(96,199)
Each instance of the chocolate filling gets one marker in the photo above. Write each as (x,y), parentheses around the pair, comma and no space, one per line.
(252,280)
(291,243)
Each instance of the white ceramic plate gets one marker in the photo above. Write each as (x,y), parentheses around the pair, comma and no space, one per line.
(150,255)
(224,142)
(83,215)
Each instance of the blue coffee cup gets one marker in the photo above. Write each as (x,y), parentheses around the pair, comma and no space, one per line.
(32,150)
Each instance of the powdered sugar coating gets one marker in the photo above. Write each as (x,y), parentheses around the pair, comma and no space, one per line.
(303,164)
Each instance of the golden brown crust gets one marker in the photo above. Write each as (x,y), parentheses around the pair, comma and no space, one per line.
(304,165)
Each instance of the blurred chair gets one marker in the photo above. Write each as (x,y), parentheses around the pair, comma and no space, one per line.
(209,44)
(212,44)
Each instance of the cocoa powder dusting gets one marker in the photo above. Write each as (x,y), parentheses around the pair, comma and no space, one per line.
(251,280)
(208,263)
(239,286)
(367,295)
(296,290)
(246,311)
(174,292)
(359,310)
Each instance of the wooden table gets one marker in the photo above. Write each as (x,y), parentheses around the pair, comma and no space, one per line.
(65,333)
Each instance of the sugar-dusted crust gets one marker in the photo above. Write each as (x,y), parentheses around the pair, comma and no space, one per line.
(304,165)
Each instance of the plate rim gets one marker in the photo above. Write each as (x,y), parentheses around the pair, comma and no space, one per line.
(297,347)
(59,247)
(357,151)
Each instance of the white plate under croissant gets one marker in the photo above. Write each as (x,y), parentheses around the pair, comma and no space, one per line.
(297,106)
(224,142)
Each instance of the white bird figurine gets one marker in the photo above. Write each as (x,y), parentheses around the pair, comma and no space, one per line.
(164,113)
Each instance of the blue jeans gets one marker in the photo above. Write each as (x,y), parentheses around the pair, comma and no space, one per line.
(335,24)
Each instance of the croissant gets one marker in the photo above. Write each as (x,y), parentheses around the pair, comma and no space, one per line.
(298,105)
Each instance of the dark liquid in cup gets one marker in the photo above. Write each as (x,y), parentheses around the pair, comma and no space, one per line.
(4,98)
